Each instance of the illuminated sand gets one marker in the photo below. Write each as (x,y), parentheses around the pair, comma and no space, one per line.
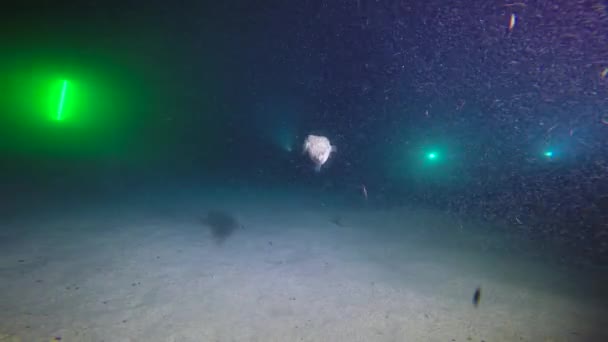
(146,270)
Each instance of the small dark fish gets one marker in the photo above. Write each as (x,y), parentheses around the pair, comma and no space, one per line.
(477,296)
(337,220)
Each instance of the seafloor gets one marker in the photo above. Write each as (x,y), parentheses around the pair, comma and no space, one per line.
(305,266)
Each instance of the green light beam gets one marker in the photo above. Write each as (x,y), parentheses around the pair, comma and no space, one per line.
(62,99)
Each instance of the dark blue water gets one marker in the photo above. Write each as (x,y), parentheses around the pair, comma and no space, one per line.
(490,115)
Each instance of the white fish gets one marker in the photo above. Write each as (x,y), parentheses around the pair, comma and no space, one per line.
(318,148)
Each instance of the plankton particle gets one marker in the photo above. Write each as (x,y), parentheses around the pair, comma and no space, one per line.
(512,22)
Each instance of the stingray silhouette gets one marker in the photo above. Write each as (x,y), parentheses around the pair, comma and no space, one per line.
(221,223)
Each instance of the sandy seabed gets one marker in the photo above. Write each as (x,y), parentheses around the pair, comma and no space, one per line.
(302,268)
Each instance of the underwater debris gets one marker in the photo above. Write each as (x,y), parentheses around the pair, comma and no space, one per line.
(222,224)
(477,297)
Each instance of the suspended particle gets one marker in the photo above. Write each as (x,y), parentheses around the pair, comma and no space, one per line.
(512,22)
(604,119)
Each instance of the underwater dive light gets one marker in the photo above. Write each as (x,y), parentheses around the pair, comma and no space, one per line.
(61,100)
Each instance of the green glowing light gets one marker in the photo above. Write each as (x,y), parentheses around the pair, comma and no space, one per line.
(548,154)
(431,156)
(62,100)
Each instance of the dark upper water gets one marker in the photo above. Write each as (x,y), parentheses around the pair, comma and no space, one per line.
(491,110)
